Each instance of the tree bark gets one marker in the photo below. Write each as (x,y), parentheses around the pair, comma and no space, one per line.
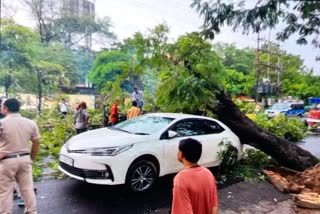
(286,153)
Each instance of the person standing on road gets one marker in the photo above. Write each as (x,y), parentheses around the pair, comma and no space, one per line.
(105,118)
(138,97)
(81,118)
(134,111)
(16,157)
(194,188)
(114,113)
(63,108)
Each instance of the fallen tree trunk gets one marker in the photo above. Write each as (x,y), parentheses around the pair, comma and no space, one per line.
(287,154)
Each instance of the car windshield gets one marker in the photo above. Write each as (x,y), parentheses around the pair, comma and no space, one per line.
(280,106)
(144,125)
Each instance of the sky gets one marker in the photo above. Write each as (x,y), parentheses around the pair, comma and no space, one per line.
(130,16)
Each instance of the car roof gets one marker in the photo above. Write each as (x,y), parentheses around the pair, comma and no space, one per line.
(178,115)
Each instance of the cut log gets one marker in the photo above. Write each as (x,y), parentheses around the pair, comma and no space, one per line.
(307,200)
(281,183)
(286,153)
(305,185)
(283,179)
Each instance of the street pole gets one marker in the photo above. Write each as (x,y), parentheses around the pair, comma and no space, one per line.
(257,66)
(268,76)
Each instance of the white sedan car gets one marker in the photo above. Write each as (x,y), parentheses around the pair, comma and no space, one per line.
(137,151)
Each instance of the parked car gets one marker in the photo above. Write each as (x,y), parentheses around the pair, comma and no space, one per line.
(137,151)
(288,109)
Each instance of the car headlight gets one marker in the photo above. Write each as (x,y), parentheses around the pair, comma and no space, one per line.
(104,151)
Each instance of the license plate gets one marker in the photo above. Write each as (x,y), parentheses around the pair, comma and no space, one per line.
(66,160)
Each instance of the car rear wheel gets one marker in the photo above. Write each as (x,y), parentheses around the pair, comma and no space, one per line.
(141,176)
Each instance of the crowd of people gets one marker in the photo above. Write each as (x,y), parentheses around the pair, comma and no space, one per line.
(81,116)
(16,157)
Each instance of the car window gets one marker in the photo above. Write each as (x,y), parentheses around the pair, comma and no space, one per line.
(214,127)
(280,106)
(146,124)
(196,127)
(297,106)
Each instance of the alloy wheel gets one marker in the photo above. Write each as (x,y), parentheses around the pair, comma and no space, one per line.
(142,178)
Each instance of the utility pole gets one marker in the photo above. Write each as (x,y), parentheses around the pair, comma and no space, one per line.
(264,88)
(257,66)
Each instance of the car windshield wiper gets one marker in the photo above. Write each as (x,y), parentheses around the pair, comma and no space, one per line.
(118,129)
(141,133)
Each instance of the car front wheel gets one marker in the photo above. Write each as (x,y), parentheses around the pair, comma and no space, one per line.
(229,159)
(141,176)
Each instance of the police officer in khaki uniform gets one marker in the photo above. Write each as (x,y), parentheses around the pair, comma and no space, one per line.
(16,157)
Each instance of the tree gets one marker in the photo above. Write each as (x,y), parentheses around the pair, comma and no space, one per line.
(236,83)
(83,60)
(193,82)
(136,62)
(241,60)
(300,17)
(14,64)
(181,84)
(56,24)
(109,70)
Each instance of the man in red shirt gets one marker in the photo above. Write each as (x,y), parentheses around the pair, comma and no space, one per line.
(194,188)
(114,113)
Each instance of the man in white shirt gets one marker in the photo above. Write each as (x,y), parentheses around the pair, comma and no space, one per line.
(138,97)
(63,108)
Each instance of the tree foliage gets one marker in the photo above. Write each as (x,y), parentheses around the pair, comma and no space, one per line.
(189,83)
(14,64)
(136,62)
(241,60)
(300,17)
(110,70)
(26,62)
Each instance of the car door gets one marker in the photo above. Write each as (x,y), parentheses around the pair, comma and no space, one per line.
(198,129)
(211,142)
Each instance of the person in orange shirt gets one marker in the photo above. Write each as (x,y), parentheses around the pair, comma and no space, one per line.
(114,114)
(134,111)
(194,188)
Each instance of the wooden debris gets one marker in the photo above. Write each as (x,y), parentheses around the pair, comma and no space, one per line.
(305,185)
(307,200)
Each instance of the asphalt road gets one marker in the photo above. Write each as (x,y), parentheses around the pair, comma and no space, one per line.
(70,196)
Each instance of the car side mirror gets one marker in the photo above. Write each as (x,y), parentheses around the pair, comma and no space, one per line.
(172,134)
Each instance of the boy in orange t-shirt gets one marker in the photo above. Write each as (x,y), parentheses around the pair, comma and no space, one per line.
(194,188)
(134,111)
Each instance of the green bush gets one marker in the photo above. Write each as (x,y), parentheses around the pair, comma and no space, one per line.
(31,114)
(55,131)
(95,116)
(36,171)
(245,107)
(289,128)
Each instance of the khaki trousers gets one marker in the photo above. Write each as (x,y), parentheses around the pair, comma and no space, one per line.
(16,170)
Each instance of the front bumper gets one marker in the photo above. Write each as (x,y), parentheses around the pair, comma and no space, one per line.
(86,173)
(95,170)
